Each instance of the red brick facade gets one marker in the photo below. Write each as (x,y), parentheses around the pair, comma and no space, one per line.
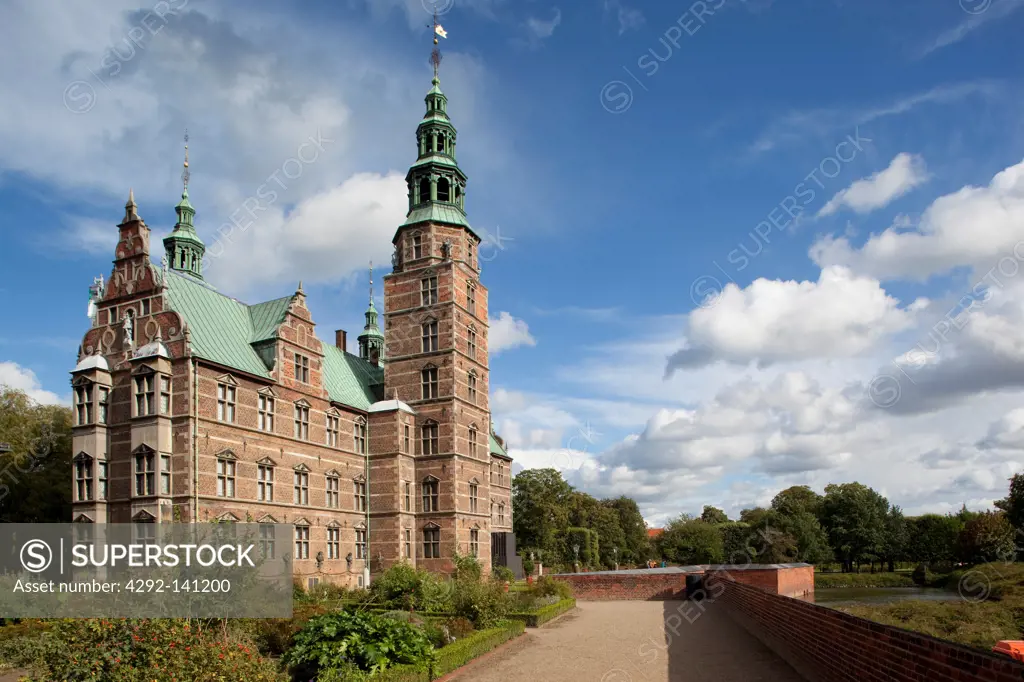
(826,645)
(661,584)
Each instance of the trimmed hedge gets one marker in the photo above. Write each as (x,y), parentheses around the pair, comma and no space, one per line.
(534,619)
(455,655)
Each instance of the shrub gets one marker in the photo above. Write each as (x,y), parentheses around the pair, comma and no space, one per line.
(463,651)
(503,574)
(368,641)
(459,627)
(483,603)
(528,566)
(537,617)
(547,587)
(127,650)
(466,567)
(437,593)
(401,587)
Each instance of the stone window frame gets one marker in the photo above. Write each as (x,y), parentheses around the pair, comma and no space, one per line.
(265,485)
(474,541)
(474,495)
(333,541)
(300,485)
(144,528)
(471,388)
(302,534)
(85,484)
(83,392)
(471,297)
(359,435)
(332,425)
(431,541)
(300,366)
(360,493)
(332,489)
(361,537)
(227,399)
(417,242)
(430,381)
(144,383)
(301,419)
(428,290)
(430,489)
(267,537)
(227,474)
(266,409)
(147,474)
(474,433)
(471,341)
(430,335)
(430,438)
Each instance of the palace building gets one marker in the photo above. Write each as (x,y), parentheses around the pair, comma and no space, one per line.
(191,406)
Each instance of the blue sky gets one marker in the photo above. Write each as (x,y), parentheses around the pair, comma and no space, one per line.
(626,159)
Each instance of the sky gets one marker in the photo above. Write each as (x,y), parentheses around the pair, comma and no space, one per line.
(731,246)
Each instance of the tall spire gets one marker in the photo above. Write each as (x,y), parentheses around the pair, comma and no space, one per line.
(185,250)
(371,341)
(130,209)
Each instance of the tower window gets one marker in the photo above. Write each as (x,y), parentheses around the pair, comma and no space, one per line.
(471,343)
(430,495)
(333,498)
(431,543)
(428,291)
(359,495)
(424,197)
(407,449)
(443,190)
(474,496)
(83,479)
(471,298)
(165,476)
(144,473)
(360,543)
(429,382)
(430,337)
(359,436)
(472,386)
(429,440)
(474,542)
(472,440)
(101,480)
(83,404)
(408,496)
(417,240)
(144,395)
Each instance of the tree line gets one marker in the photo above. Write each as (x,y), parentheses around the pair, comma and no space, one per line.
(850,524)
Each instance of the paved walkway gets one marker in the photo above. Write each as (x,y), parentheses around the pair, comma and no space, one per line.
(634,641)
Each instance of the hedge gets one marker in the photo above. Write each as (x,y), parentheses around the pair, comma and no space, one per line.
(534,619)
(455,655)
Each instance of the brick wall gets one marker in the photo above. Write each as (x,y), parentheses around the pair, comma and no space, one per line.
(826,645)
(611,587)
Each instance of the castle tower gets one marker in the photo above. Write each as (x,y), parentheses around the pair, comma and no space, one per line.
(371,341)
(436,348)
(184,248)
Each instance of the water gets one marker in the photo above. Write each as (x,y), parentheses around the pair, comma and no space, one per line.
(846,596)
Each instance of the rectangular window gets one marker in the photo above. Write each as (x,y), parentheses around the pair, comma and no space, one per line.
(301,491)
(406,439)
(165,395)
(267,541)
(104,402)
(417,247)
(266,413)
(165,475)
(430,496)
(471,298)
(474,542)
(83,480)
(429,336)
(301,368)
(333,427)
(429,440)
(428,291)
(301,542)
(145,532)
(225,478)
(145,306)
(265,483)
(501,514)
(145,476)
(359,495)
(333,543)
(472,387)
(83,404)
(474,492)
(302,422)
(144,395)
(408,496)
(408,543)
(333,498)
(472,344)
(360,543)
(428,378)
(101,480)
(431,543)
(226,403)
(359,437)
(472,442)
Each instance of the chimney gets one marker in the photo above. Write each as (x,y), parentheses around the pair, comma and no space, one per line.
(340,337)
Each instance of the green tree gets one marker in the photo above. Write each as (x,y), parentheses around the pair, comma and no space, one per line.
(35,486)
(988,536)
(755,517)
(691,541)
(811,540)
(854,517)
(896,538)
(1013,503)
(540,498)
(737,539)
(713,515)
(636,546)
(798,499)
(934,538)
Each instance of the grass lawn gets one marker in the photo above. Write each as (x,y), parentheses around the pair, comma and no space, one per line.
(826,580)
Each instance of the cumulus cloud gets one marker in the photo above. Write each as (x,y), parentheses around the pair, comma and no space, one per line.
(974,227)
(508,332)
(770,321)
(905,172)
(21,378)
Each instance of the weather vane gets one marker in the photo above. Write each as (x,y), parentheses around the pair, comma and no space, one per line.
(435,56)
(185,173)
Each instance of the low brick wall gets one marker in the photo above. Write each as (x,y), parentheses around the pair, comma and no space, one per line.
(825,645)
(791,581)
(612,587)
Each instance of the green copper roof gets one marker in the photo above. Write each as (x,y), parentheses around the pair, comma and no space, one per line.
(223,330)
(436,212)
(496,448)
(437,160)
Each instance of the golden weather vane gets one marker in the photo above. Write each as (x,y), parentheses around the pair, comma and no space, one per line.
(438,31)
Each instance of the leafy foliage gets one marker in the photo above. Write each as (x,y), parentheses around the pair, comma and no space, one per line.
(713,515)
(987,537)
(692,541)
(360,639)
(1013,503)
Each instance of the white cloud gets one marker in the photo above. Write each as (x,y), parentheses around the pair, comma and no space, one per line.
(508,332)
(541,29)
(774,321)
(905,172)
(21,378)
(995,10)
(973,226)
(629,18)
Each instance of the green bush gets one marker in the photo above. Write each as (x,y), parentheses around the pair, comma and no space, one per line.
(128,650)
(528,566)
(539,616)
(467,567)
(503,574)
(368,641)
(547,587)
(400,587)
(464,650)
(483,603)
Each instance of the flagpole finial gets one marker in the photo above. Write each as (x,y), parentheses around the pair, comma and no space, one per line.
(438,32)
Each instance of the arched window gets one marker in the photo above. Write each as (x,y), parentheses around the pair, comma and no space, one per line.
(443,190)
(424,193)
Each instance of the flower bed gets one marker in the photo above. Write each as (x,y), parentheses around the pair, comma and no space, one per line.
(538,617)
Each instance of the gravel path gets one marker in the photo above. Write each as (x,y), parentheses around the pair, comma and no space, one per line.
(634,641)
